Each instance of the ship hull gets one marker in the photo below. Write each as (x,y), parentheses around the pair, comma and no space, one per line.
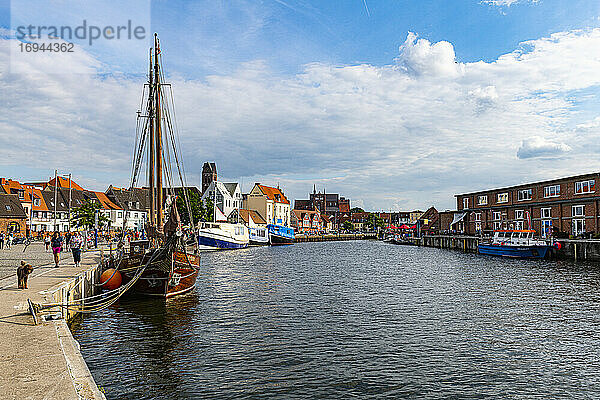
(514,251)
(179,279)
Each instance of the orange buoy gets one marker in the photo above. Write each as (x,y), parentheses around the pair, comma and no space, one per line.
(112,277)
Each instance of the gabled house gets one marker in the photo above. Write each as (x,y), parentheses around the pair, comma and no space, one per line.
(304,221)
(250,218)
(132,204)
(270,203)
(227,198)
(12,215)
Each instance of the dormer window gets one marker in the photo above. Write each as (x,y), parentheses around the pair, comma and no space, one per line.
(36,202)
(8,208)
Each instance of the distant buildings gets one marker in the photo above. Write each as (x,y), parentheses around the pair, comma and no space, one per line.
(12,215)
(568,205)
(209,174)
(332,205)
(270,203)
(226,196)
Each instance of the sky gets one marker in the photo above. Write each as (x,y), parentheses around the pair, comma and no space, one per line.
(397,105)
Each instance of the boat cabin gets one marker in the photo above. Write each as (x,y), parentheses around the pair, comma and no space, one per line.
(515,237)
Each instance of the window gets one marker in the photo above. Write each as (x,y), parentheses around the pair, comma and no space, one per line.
(524,194)
(21,194)
(478,226)
(482,200)
(497,215)
(546,212)
(8,207)
(477,217)
(466,202)
(497,225)
(585,186)
(36,202)
(519,214)
(552,191)
(120,214)
(578,211)
(518,225)
(578,226)
(502,197)
(546,228)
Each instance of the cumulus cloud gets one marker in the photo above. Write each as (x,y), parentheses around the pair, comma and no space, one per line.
(540,147)
(506,3)
(408,134)
(421,57)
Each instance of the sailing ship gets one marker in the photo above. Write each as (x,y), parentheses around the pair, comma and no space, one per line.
(160,265)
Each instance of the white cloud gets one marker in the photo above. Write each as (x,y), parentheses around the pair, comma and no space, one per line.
(540,147)
(507,3)
(410,134)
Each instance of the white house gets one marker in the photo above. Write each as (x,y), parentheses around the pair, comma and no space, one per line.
(270,203)
(228,196)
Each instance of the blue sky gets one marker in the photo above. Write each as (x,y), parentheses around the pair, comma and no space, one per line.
(395,104)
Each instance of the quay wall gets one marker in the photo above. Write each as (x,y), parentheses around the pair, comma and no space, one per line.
(328,238)
(571,249)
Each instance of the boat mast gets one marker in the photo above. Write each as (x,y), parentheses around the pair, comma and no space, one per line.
(158,138)
(152,158)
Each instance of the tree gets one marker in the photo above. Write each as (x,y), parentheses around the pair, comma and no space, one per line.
(347,225)
(85,216)
(374,222)
(209,210)
(196,206)
(356,209)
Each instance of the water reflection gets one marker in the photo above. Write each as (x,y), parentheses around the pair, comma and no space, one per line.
(356,319)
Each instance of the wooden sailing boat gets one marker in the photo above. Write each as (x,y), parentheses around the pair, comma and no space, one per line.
(168,268)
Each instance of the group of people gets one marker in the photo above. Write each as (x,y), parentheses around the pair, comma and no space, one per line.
(58,243)
(6,240)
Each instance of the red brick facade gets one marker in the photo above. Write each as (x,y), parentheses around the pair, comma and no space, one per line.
(569,205)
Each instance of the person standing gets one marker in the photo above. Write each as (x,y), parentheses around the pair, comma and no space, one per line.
(76,243)
(56,244)
(47,242)
(9,240)
(1,240)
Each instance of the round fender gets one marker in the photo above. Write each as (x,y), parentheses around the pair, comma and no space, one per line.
(557,245)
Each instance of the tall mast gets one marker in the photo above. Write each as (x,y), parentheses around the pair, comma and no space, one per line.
(158,138)
(152,156)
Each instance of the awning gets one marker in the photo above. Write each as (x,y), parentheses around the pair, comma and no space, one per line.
(458,217)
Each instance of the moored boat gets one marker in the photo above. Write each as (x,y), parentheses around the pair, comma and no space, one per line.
(279,234)
(515,244)
(222,235)
(259,235)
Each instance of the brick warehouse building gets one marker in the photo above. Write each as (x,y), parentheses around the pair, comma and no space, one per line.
(569,205)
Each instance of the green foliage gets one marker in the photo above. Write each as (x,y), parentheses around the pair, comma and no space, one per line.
(374,222)
(209,211)
(347,225)
(84,216)
(196,205)
(356,209)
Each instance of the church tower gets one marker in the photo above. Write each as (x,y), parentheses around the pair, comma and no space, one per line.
(209,174)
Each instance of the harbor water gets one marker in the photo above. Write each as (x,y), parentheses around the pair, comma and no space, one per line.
(357,319)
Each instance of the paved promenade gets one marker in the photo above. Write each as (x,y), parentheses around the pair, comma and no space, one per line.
(43,361)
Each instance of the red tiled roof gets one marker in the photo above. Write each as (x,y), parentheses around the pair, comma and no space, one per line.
(271,193)
(106,203)
(256,217)
(64,183)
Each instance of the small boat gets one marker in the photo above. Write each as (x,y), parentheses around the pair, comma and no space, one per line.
(279,234)
(222,235)
(259,235)
(515,244)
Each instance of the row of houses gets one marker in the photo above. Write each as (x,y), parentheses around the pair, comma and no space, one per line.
(564,206)
(47,206)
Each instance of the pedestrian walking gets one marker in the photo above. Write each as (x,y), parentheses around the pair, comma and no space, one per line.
(9,240)
(56,243)
(1,240)
(23,272)
(76,243)
(47,242)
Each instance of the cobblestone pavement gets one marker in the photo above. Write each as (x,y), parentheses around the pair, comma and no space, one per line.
(35,254)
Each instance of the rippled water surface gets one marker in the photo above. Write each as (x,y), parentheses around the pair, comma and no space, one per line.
(356,319)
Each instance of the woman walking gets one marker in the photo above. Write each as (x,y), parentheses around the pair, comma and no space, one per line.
(76,243)
(47,242)
(56,244)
